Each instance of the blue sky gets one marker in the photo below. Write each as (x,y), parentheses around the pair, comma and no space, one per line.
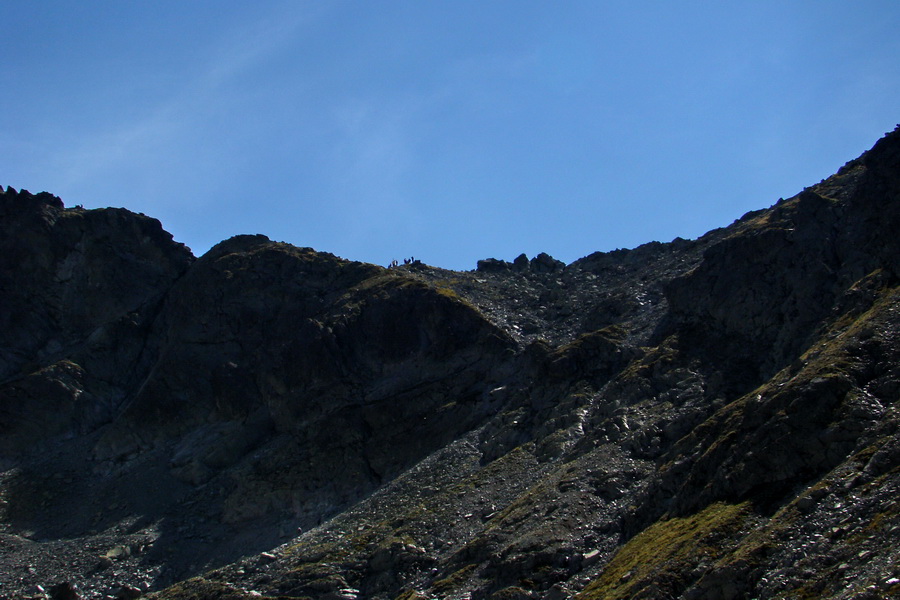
(449,131)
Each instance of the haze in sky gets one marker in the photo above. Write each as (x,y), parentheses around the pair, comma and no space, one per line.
(446,130)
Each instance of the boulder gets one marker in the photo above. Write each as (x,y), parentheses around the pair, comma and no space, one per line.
(544,263)
(521,263)
(493,265)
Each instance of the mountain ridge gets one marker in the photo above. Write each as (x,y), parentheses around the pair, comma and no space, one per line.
(710,418)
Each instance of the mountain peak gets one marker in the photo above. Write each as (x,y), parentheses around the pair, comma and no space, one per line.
(693,419)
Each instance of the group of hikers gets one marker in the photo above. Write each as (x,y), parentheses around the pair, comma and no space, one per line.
(406,261)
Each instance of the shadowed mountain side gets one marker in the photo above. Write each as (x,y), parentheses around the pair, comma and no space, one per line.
(74,284)
(714,418)
(313,364)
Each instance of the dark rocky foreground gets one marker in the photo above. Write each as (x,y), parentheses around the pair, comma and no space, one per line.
(715,418)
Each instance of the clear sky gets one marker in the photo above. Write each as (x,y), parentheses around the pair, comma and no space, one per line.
(447,130)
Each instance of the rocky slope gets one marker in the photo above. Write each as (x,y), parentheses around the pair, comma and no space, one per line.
(713,418)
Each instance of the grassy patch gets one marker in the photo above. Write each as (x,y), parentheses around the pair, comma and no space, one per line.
(448,293)
(411,595)
(202,589)
(663,555)
(453,581)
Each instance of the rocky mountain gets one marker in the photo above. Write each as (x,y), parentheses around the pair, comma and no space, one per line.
(701,419)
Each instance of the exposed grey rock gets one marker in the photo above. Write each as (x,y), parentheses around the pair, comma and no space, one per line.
(64,591)
(521,263)
(127,592)
(493,265)
(544,263)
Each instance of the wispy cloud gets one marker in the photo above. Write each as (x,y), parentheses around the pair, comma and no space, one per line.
(161,131)
(370,162)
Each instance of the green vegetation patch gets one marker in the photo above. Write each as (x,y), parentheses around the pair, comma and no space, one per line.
(662,556)
(448,293)
(199,588)
(454,580)
(411,595)
(655,359)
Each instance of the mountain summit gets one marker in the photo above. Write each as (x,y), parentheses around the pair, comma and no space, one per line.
(713,418)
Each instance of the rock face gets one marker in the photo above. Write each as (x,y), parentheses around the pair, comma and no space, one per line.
(714,418)
(78,289)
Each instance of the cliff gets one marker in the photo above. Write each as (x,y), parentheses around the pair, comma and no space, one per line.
(710,418)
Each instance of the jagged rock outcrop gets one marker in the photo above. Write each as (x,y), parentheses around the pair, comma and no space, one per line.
(542,263)
(710,418)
